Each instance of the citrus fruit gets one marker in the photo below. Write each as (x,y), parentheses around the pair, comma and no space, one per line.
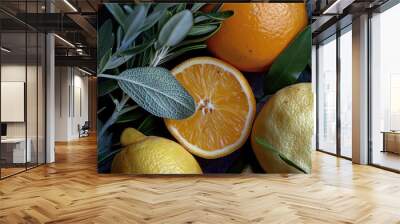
(225,108)
(285,124)
(152,155)
(257,33)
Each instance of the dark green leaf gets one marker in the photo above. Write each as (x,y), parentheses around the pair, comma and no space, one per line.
(105,40)
(148,125)
(287,68)
(216,7)
(131,116)
(156,90)
(176,29)
(103,62)
(201,30)
(164,6)
(272,149)
(106,87)
(118,13)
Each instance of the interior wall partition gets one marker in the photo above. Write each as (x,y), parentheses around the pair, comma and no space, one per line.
(23,89)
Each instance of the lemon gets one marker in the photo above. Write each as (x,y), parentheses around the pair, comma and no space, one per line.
(152,155)
(282,133)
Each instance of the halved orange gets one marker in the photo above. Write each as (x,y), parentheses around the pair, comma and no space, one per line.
(225,108)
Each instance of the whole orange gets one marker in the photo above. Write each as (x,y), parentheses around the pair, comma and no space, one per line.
(257,33)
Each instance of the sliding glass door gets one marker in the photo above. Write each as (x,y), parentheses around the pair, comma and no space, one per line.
(334,94)
(385,89)
(326,88)
(345,92)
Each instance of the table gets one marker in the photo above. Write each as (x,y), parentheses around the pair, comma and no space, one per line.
(391,141)
(16,147)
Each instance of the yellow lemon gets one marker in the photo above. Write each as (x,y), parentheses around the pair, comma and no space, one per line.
(152,155)
(282,133)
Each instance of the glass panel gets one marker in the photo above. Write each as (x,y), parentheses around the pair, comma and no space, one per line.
(346,93)
(385,84)
(13,86)
(41,98)
(327,96)
(32,98)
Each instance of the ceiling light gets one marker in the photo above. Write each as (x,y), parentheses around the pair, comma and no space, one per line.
(70,5)
(65,41)
(5,50)
(84,71)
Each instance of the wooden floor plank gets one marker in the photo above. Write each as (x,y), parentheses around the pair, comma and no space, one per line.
(71,191)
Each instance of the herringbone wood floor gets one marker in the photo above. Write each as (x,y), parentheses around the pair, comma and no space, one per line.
(70,191)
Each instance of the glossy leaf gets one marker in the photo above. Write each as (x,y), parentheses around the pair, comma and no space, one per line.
(289,65)
(156,90)
(272,149)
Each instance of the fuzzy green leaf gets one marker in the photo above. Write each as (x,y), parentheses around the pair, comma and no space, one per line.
(176,29)
(156,90)
(134,22)
(197,6)
(118,13)
(202,30)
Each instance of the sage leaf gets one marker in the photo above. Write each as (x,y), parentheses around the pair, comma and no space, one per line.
(156,90)
(219,15)
(135,21)
(176,29)
(201,30)
(106,39)
(120,34)
(118,13)
(197,40)
(122,56)
(271,148)
(181,51)
(289,65)
(103,62)
(197,6)
(136,49)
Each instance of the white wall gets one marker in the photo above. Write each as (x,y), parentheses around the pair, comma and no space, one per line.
(70,83)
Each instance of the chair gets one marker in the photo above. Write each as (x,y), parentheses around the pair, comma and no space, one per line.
(84,130)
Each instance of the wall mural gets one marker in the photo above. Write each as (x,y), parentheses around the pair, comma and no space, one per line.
(204,88)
